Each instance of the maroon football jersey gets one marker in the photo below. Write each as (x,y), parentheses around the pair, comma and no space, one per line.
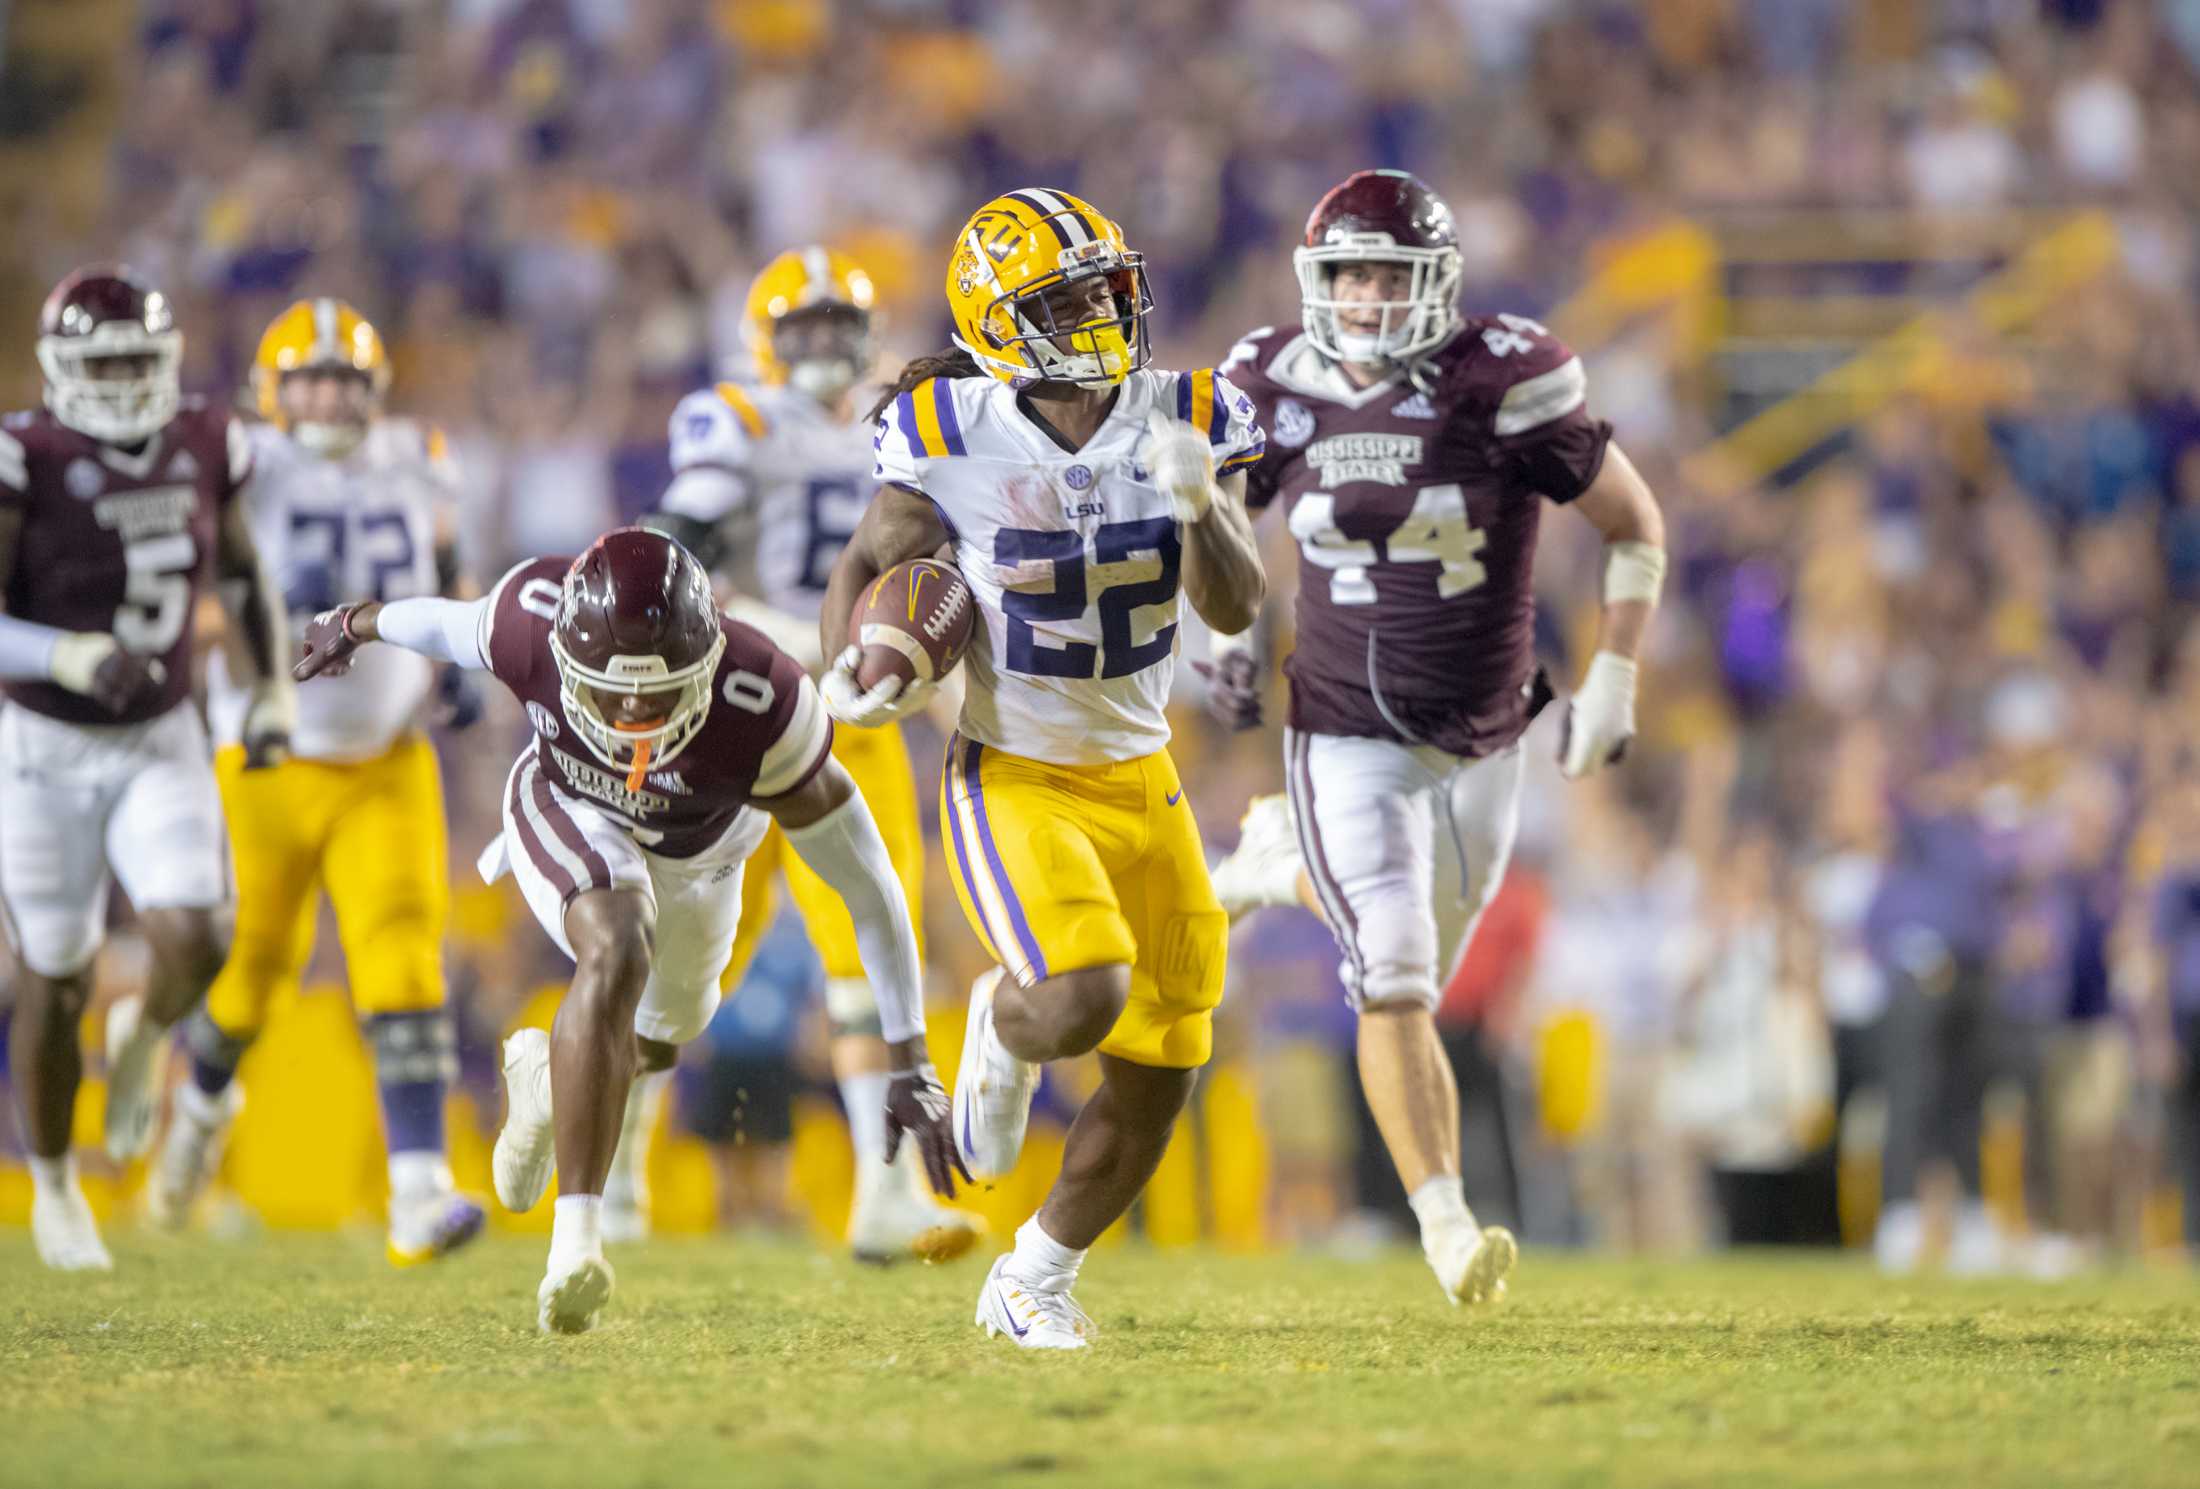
(767,731)
(118,542)
(1416,518)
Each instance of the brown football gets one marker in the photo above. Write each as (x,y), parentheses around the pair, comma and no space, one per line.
(914,621)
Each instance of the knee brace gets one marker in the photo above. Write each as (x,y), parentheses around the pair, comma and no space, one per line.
(412,1047)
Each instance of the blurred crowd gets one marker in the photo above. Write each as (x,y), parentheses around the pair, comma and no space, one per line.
(1889,929)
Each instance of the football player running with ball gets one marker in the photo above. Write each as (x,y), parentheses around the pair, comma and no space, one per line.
(1412,450)
(769,481)
(118,503)
(1085,496)
(668,738)
(345,504)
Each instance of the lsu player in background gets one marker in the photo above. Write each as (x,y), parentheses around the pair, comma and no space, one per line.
(769,481)
(347,505)
(1086,496)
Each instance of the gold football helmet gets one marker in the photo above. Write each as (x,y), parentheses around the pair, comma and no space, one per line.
(809,321)
(1013,251)
(321,335)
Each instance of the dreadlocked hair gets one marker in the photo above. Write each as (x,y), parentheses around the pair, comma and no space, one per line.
(953,362)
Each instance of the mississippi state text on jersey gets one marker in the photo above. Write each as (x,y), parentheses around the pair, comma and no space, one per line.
(1072,554)
(767,731)
(1416,513)
(361,526)
(118,540)
(778,459)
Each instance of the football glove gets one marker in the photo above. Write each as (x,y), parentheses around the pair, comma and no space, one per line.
(329,645)
(93,663)
(917,1108)
(868,708)
(1183,465)
(1600,718)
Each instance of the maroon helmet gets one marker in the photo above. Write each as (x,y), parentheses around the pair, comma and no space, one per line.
(1388,217)
(637,621)
(112,355)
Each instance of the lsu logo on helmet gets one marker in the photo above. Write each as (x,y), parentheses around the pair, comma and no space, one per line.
(1009,255)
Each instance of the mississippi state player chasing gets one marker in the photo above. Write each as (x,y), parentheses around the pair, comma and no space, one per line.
(1412,450)
(669,737)
(345,504)
(118,502)
(769,480)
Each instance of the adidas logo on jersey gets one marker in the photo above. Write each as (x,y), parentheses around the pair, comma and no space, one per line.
(1416,407)
(183,467)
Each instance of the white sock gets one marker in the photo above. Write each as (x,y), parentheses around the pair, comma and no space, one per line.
(417,1176)
(1040,1261)
(1440,1204)
(629,1176)
(54,1178)
(864,1094)
(576,1228)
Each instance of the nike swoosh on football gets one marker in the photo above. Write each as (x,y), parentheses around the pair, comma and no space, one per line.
(1176,796)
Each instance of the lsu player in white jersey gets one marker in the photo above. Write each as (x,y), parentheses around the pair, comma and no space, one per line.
(769,480)
(347,505)
(1086,496)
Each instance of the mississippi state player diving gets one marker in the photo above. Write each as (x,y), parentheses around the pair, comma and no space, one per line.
(117,503)
(668,738)
(1412,450)
(769,480)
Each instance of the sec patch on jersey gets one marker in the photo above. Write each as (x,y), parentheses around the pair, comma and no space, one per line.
(914,622)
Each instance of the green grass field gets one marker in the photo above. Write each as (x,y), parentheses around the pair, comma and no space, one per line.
(292,1361)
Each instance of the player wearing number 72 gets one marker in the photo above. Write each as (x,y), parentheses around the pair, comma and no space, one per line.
(1086,496)
(1412,449)
(346,505)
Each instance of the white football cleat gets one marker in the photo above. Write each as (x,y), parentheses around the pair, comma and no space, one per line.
(66,1235)
(893,1221)
(1264,867)
(136,1051)
(189,1152)
(569,1299)
(1036,1318)
(526,1149)
(1476,1272)
(993,1090)
(430,1229)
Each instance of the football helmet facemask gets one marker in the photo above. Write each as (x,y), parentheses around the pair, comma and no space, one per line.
(1380,217)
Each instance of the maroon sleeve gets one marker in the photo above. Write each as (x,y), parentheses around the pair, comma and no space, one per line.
(1527,390)
(517,620)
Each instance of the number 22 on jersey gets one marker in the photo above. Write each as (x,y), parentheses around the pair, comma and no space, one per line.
(1436,531)
(1118,654)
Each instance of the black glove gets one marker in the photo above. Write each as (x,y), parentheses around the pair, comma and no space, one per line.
(1233,689)
(916,1105)
(124,678)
